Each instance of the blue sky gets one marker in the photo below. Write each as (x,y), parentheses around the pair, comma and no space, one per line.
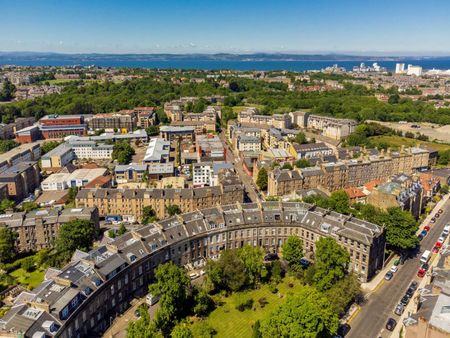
(193,26)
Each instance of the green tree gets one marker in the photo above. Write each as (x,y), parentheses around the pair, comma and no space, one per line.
(343,293)
(27,264)
(444,189)
(262,179)
(331,263)
(340,201)
(7,91)
(287,166)
(7,145)
(276,272)
(148,215)
(73,235)
(173,210)
(29,206)
(203,303)
(293,252)
(181,331)
(307,314)
(152,131)
(6,204)
(7,244)
(143,327)
(302,163)
(48,146)
(300,138)
(253,261)
(401,228)
(122,229)
(172,284)
(122,152)
(228,272)
(256,333)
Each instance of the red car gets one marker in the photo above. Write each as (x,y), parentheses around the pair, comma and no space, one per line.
(423,270)
(427,228)
(436,249)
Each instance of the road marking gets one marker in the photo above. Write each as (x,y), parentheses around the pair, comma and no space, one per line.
(354,314)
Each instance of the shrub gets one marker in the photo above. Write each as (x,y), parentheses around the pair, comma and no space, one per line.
(245,305)
(273,288)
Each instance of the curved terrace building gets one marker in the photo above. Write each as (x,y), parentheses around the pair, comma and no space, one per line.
(84,297)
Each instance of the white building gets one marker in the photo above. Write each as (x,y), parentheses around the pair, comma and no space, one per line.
(414,70)
(79,178)
(248,143)
(91,150)
(207,173)
(158,151)
(399,68)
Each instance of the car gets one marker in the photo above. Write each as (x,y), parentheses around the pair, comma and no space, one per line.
(423,270)
(420,236)
(271,257)
(424,233)
(405,300)
(441,239)
(440,211)
(410,291)
(437,215)
(436,249)
(433,220)
(426,227)
(394,268)
(137,313)
(413,285)
(304,263)
(391,324)
(399,309)
(388,275)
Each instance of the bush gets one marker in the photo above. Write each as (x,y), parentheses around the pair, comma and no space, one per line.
(245,305)
(28,264)
(263,302)
(273,288)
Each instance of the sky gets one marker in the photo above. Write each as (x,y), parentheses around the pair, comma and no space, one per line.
(383,27)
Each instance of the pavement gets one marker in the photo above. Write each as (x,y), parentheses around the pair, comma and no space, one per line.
(247,180)
(371,318)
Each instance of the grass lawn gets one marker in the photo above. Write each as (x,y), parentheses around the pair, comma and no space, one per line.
(398,141)
(29,279)
(229,322)
(238,109)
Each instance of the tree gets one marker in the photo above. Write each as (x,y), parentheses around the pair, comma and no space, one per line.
(343,293)
(7,145)
(256,330)
(172,284)
(173,210)
(340,201)
(302,163)
(181,331)
(331,263)
(29,206)
(7,244)
(77,234)
(7,91)
(300,138)
(228,272)
(253,261)
(27,264)
(148,215)
(122,229)
(262,179)
(401,228)
(152,131)
(394,99)
(6,204)
(444,189)
(307,314)
(287,166)
(293,252)
(276,272)
(143,327)
(203,303)
(48,146)
(122,152)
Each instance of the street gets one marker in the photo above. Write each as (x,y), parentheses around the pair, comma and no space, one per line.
(247,181)
(371,320)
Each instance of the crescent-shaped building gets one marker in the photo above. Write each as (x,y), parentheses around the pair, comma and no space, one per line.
(83,298)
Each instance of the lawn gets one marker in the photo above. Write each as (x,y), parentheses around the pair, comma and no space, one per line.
(229,322)
(398,141)
(238,109)
(29,279)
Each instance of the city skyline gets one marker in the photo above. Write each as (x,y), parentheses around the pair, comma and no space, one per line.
(377,28)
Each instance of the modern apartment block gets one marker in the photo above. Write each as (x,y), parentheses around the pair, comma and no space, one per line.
(22,153)
(38,229)
(347,173)
(122,121)
(21,179)
(128,203)
(59,126)
(84,297)
(250,117)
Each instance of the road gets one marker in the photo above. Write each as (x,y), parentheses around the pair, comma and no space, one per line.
(249,186)
(371,320)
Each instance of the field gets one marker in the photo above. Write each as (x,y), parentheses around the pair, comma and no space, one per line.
(238,109)
(398,141)
(229,322)
(29,279)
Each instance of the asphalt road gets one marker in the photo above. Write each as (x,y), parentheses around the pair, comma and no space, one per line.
(371,320)
(249,187)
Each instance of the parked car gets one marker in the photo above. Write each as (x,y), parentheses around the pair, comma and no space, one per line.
(426,227)
(399,309)
(436,249)
(413,285)
(394,268)
(420,236)
(391,324)
(305,263)
(424,233)
(410,291)
(405,300)
(422,270)
(271,257)
(437,216)
(440,211)
(441,239)
(389,275)
(433,220)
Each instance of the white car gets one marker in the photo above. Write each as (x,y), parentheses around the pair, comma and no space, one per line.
(394,268)
(441,239)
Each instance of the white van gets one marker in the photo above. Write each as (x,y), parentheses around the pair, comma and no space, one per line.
(152,300)
(425,256)
(446,230)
